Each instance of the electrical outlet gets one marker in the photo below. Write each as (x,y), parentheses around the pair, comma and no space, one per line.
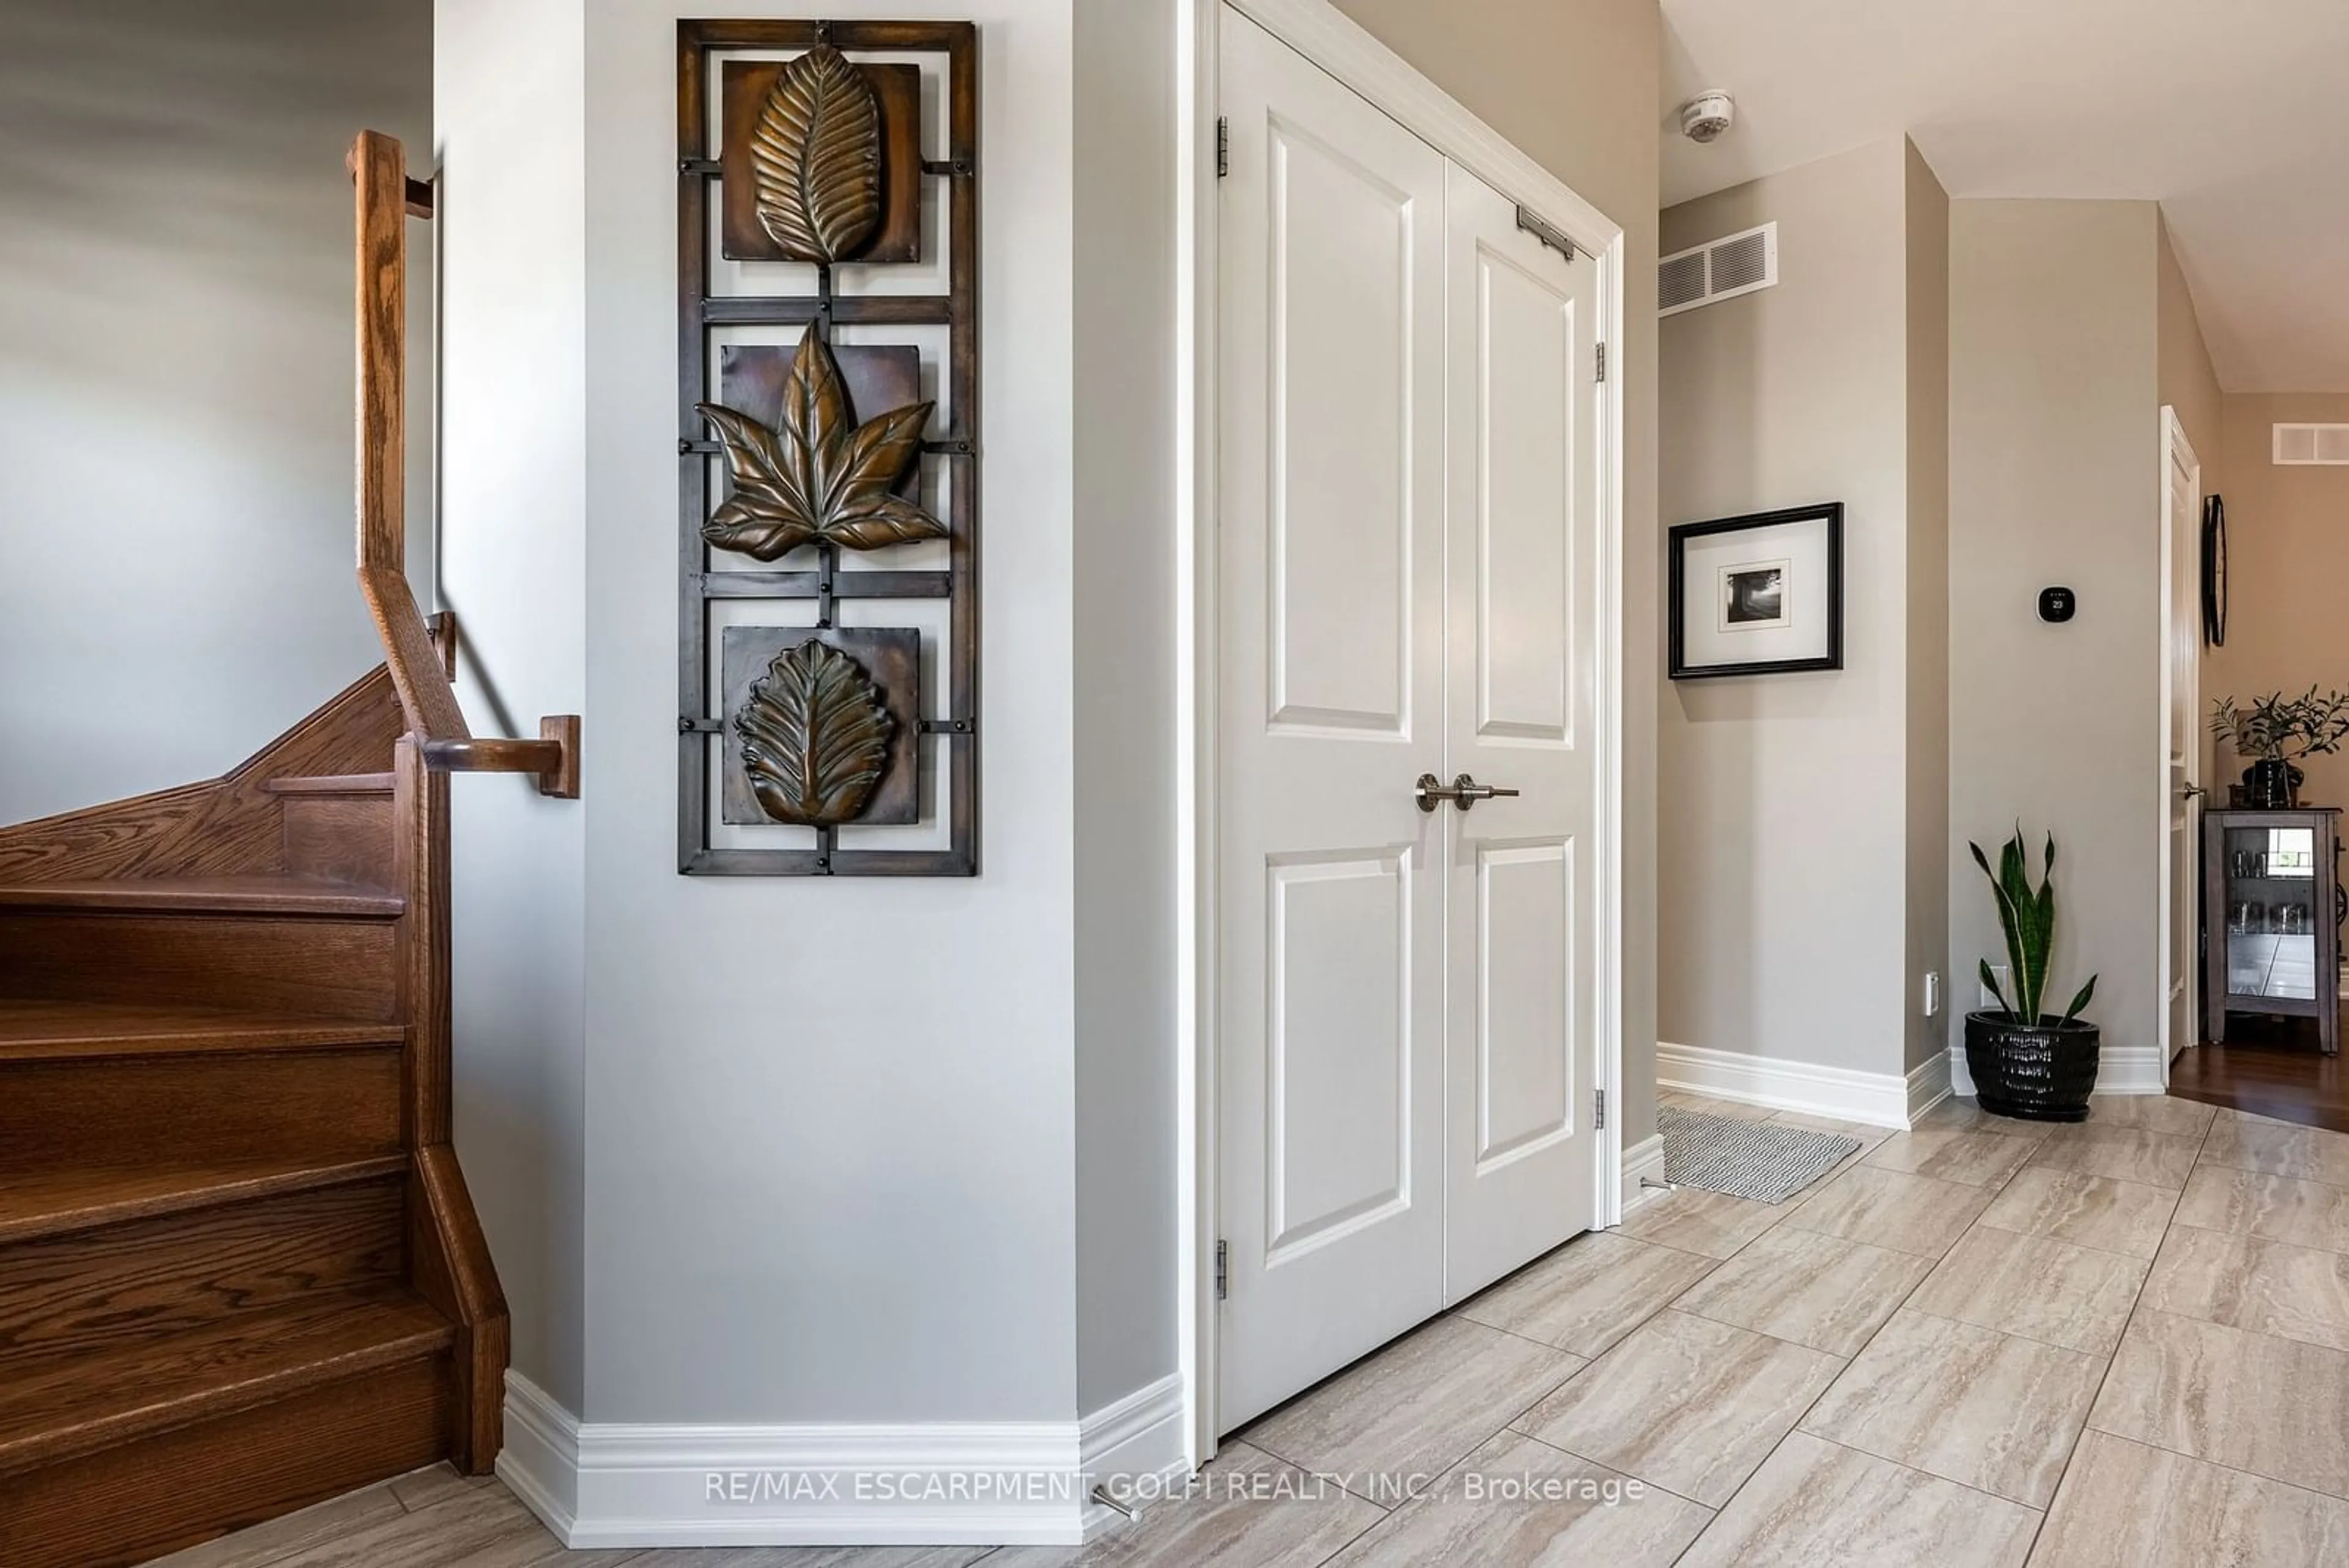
(1932,993)
(1999,973)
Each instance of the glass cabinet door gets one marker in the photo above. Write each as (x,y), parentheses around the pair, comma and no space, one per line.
(2271,914)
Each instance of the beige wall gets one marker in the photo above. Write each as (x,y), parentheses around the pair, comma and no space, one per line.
(1573,82)
(2188,382)
(2054,458)
(1786,800)
(1928,599)
(175,377)
(2288,565)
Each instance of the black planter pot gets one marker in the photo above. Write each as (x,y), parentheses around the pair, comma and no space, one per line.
(2039,1073)
(2271,786)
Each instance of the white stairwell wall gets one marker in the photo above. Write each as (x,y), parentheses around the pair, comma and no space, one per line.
(177,403)
(786,1174)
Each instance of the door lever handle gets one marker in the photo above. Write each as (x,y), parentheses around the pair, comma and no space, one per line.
(1464,792)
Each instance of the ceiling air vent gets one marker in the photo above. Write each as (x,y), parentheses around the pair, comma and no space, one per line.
(1727,267)
(2302,446)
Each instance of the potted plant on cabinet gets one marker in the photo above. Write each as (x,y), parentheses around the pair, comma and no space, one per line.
(2025,1063)
(2275,732)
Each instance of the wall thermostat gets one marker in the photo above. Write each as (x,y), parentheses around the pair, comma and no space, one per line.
(2057,605)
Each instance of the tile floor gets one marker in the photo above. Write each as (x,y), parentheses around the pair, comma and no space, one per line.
(2122,1344)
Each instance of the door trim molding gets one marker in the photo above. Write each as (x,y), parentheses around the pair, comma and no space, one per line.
(1334,42)
(1339,46)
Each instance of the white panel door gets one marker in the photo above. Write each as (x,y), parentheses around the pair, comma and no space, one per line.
(1332,699)
(1523,469)
(2181,689)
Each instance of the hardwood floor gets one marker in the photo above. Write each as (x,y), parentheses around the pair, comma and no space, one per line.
(2269,1068)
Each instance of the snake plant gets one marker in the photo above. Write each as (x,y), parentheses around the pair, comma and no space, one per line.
(2027,915)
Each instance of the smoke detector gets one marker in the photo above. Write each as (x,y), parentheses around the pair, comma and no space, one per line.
(1706,115)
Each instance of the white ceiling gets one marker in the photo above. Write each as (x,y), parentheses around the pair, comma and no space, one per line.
(2233,114)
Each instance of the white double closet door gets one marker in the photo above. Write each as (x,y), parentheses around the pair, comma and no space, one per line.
(1408,567)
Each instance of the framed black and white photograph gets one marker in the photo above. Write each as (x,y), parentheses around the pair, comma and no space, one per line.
(1758,595)
(1753,597)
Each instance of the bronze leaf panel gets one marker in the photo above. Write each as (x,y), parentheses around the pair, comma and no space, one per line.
(888,663)
(817,475)
(898,235)
(751,379)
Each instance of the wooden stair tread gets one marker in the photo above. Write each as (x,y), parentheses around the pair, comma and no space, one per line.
(61,1203)
(254,895)
(331,783)
(58,1407)
(39,1030)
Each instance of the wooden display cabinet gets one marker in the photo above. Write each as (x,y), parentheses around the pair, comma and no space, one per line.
(2271,941)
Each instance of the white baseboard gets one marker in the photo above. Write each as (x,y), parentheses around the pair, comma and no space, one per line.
(1645,1159)
(540,1459)
(1877,1099)
(2120,1070)
(946,1483)
(1136,1448)
(1929,1086)
(2129,1070)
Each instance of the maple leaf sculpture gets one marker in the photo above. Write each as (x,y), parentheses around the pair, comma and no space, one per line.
(818,477)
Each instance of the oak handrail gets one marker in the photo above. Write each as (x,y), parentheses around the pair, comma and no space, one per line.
(387,198)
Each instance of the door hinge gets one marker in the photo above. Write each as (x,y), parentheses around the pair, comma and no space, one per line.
(1223,146)
(1602,362)
(1600,1120)
(1222,1269)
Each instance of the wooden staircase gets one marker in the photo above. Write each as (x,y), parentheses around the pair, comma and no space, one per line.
(239,1271)
(239,1268)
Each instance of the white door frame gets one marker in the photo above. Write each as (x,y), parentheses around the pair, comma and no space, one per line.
(1322,34)
(2173,443)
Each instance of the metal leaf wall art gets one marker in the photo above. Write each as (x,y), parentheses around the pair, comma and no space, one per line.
(819,477)
(815,737)
(828,714)
(816,153)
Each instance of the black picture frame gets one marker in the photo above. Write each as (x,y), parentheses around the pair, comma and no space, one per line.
(1677,560)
